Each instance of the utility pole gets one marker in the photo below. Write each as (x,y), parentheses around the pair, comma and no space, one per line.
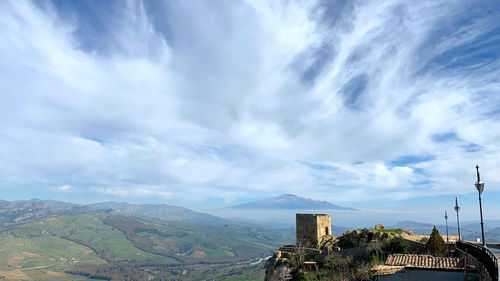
(480,187)
(458,220)
(446,219)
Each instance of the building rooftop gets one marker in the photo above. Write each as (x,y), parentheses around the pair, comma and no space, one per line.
(423,261)
(386,269)
(400,262)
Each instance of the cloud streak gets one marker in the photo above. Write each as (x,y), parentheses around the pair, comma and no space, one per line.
(187,101)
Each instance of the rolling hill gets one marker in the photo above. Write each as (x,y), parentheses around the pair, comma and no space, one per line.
(113,245)
(21,211)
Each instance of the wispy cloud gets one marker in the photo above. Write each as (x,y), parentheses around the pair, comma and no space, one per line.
(64,188)
(188,101)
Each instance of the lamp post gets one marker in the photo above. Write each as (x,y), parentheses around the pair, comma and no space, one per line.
(446,219)
(480,187)
(458,221)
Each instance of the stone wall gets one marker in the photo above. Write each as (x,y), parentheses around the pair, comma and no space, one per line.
(310,227)
(324,225)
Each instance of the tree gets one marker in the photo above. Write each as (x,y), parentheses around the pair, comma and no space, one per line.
(436,244)
(396,245)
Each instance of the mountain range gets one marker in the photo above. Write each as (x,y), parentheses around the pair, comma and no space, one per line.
(22,211)
(468,230)
(165,212)
(289,202)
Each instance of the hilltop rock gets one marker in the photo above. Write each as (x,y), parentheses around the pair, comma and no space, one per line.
(354,238)
(281,273)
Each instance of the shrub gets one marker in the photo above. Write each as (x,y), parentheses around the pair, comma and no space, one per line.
(345,243)
(396,245)
(436,245)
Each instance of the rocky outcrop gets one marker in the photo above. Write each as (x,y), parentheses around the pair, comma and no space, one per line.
(290,259)
(359,237)
(280,273)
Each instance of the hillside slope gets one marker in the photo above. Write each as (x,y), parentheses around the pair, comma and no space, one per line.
(108,244)
(21,211)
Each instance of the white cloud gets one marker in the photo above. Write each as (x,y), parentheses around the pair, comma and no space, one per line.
(64,188)
(220,105)
(136,191)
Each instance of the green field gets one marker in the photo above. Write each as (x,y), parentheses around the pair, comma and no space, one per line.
(88,229)
(113,244)
(232,273)
(41,258)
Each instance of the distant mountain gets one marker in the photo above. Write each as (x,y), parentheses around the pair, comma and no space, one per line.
(488,224)
(166,212)
(290,201)
(21,211)
(493,235)
(469,231)
(416,227)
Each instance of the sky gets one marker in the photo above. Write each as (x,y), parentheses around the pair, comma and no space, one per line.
(206,104)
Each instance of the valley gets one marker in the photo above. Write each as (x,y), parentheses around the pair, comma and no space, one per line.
(111,245)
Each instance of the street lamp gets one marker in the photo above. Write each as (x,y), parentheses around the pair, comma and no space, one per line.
(458,221)
(446,218)
(480,187)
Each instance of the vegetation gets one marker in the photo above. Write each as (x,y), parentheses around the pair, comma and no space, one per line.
(106,245)
(360,253)
(398,231)
(345,243)
(396,245)
(351,256)
(342,268)
(436,244)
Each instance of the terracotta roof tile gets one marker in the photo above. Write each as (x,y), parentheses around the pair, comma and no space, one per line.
(386,269)
(423,261)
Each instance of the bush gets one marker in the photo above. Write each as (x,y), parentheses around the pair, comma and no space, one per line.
(345,243)
(396,245)
(436,245)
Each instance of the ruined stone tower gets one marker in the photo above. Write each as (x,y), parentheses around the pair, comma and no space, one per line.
(310,227)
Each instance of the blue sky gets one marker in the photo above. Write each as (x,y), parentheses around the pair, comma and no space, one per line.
(210,103)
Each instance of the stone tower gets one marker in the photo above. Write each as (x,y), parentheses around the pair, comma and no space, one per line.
(310,227)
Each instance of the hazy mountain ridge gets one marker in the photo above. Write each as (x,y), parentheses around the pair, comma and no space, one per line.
(162,211)
(469,230)
(21,211)
(289,201)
